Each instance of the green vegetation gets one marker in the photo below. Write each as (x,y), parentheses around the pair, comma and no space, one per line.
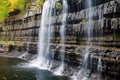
(39,3)
(83,21)
(0,25)
(7,6)
(4,8)
(10,43)
(10,6)
(58,5)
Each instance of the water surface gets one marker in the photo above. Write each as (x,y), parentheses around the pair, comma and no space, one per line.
(11,70)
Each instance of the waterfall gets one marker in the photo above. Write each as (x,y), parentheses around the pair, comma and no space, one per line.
(88,29)
(99,65)
(62,37)
(100,22)
(43,60)
(100,25)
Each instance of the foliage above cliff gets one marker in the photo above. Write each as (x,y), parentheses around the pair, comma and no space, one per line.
(39,3)
(8,6)
(4,8)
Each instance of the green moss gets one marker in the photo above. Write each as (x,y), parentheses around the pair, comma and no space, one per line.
(58,5)
(10,43)
(83,21)
(1,25)
(77,52)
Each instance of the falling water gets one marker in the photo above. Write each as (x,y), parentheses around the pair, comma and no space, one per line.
(43,60)
(100,25)
(100,22)
(62,37)
(88,29)
(99,65)
(82,73)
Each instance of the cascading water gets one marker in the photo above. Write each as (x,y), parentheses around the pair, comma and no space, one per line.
(62,37)
(82,74)
(88,28)
(99,65)
(100,24)
(43,60)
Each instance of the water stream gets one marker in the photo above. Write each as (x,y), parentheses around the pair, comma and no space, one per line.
(10,69)
(88,29)
(100,33)
(43,60)
(99,65)
(62,37)
(39,68)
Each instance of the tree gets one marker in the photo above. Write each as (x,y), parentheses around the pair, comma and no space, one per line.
(4,8)
(7,6)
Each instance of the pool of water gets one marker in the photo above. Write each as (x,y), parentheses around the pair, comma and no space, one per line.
(11,70)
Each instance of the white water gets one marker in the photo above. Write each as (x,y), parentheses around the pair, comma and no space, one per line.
(88,29)
(43,60)
(62,38)
(99,65)
(86,56)
(23,55)
(82,73)
(100,22)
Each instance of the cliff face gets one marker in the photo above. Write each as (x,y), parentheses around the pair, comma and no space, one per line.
(106,15)
(24,29)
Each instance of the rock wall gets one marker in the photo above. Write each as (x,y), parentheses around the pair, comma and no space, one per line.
(24,29)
